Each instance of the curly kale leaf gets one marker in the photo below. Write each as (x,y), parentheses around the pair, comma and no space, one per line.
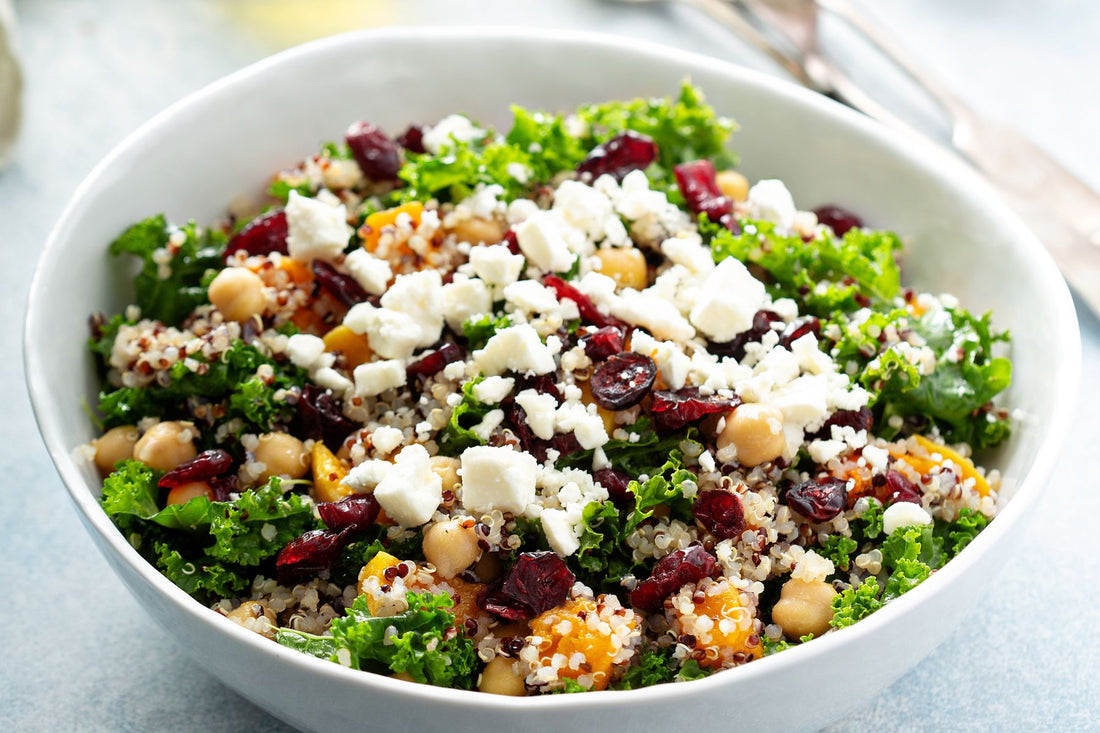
(964,529)
(458,434)
(478,330)
(189,269)
(839,549)
(644,455)
(664,488)
(853,604)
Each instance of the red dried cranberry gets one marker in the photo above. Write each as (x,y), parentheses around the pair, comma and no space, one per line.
(761,323)
(352,512)
(311,553)
(818,500)
(517,421)
(699,188)
(537,582)
(261,236)
(899,489)
(222,486)
(622,380)
(204,466)
(674,410)
(797,329)
(588,311)
(603,343)
(320,418)
(543,384)
(617,484)
(840,219)
(342,287)
(861,419)
(412,139)
(672,573)
(629,151)
(565,444)
(511,242)
(377,155)
(432,363)
(721,513)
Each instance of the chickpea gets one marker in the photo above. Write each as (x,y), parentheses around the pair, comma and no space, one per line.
(255,616)
(282,455)
(238,293)
(447,469)
(756,431)
(403,676)
(117,444)
(625,265)
(186,492)
(733,184)
(804,607)
(166,445)
(451,547)
(499,678)
(476,230)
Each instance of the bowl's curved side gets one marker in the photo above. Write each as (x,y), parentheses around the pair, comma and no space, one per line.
(284,106)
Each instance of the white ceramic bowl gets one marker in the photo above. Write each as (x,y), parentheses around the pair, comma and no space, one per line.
(227,139)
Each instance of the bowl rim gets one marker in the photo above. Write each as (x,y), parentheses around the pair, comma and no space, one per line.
(931,157)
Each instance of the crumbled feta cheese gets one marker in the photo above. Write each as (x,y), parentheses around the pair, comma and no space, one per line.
(559,532)
(411,491)
(531,296)
(728,299)
(877,458)
(539,409)
(447,131)
(671,361)
(497,478)
(823,451)
(492,390)
(653,313)
(541,241)
(520,211)
(484,429)
(305,350)
(329,378)
(392,334)
(517,349)
(464,299)
(376,377)
(600,289)
(386,439)
(418,294)
(688,251)
(770,200)
(367,475)
(496,265)
(904,514)
(590,211)
(373,273)
(315,230)
(484,203)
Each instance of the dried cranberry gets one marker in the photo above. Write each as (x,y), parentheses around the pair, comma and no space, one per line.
(674,410)
(622,380)
(602,343)
(565,444)
(377,155)
(588,311)
(310,553)
(761,323)
(617,484)
(352,512)
(537,582)
(626,152)
(900,489)
(222,486)
(261,236)
(838,218)
(511,242)
(861,419)
(543,384)
(320,418)
(672,573)
(721,513)
(699,188)
(204,466)
(342,287)
(797,329)
(517,421)
(412,139)
(818,500)
(432,363)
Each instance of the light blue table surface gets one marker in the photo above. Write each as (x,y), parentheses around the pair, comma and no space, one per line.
(79,654)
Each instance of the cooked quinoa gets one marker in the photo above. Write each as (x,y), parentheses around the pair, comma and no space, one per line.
(572,408)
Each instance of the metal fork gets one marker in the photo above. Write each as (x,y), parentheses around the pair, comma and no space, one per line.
(1062,210)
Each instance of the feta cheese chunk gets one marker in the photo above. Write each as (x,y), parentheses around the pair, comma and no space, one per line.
(376,377)
(673,364)
(653,313)
(373,273)
(448,130)
(418,294)
(497,478)
(464,299)
(541,241)
(315,230)
(517,349)
(727,301)
(367,475)
(539,409)
(304,350)
(771,200)
(492,390)
(531,296)
(386,439)
(904,514)
(496,265)
(411,491)
(392,334)
(559,532)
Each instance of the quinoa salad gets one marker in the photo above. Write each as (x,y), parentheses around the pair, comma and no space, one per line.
(570,407)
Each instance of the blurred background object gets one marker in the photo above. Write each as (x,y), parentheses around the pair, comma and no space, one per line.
(11,82)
